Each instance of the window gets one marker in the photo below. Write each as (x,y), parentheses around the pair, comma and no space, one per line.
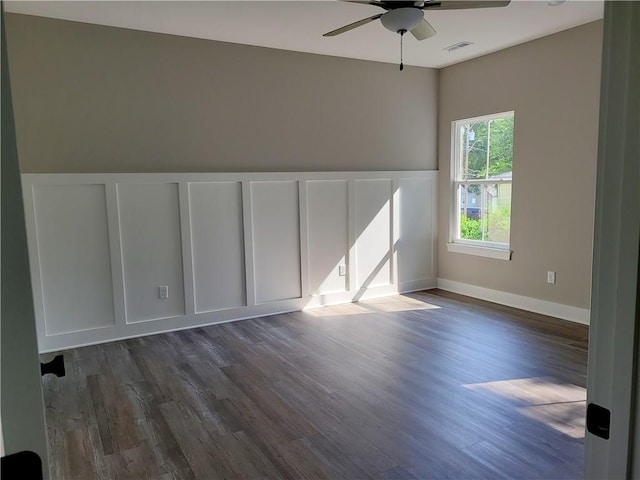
(481,185)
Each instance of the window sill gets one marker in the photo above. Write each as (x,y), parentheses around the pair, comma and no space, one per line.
(480,251)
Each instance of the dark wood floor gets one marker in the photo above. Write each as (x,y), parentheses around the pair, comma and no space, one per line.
(428,385)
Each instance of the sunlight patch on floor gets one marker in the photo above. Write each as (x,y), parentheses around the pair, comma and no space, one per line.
(397,303)
(567,417)
(558,405)
(333,310)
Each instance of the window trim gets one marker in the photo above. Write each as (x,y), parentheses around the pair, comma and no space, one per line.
(496,250)
(480,250)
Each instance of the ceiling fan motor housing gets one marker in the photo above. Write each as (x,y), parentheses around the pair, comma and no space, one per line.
(402,19)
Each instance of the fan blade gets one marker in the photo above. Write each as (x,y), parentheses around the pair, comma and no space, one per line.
(424,30)
(351,26)
(463,4)
(369,2)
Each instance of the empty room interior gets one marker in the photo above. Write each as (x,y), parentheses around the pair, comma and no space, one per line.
(267,253)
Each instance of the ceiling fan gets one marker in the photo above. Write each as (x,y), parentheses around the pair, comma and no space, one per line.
(408,16)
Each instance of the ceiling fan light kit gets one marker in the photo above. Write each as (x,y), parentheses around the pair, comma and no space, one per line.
(402,19)
(408,16)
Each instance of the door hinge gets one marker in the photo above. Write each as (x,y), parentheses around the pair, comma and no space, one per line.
(54,367)
(598,421)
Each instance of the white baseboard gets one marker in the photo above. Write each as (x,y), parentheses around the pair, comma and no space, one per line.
(552,309)
(55,343)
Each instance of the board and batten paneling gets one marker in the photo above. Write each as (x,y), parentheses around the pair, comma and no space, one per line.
(227,245)
(276,240)
(151,250)
(328,233)
(417,220)
(373,230)
(217,245)
(73,256)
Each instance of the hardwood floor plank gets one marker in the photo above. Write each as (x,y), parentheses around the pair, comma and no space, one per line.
(334,461)
(247,449)
(114,414)
(289,420)
(153,370)
(195,442)
(102,419)
(156,432)
(79,460)
(398,473)
(497,459)
(138,462)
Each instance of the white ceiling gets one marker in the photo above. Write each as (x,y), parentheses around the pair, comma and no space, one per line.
(299,25)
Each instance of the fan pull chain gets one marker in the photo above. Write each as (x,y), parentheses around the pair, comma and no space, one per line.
(401,32)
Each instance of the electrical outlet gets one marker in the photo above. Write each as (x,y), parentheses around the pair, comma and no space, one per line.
(551,277)
(163,292)
(342,270)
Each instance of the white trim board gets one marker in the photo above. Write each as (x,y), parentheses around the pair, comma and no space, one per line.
(479,250)
(544,307)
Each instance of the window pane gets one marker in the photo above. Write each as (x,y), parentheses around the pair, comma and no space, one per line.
(470,212)
(485,212)
(486,149)
(497,212)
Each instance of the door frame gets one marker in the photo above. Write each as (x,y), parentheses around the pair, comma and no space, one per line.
(611,379)
(23,421)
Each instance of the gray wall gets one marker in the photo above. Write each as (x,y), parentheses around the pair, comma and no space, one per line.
(553,86)
(90,98)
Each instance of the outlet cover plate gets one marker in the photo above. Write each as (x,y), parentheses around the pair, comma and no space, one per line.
(163,292)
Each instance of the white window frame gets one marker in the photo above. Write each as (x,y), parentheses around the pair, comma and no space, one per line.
(497,250)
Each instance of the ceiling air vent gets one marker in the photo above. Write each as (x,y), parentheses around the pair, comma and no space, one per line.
(457,46)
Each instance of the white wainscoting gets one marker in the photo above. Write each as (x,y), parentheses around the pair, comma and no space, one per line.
(415,229)
(373,228)
(275,220)
(151,250)
(228,246)
(217,242)
(74,274)
(328,235)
